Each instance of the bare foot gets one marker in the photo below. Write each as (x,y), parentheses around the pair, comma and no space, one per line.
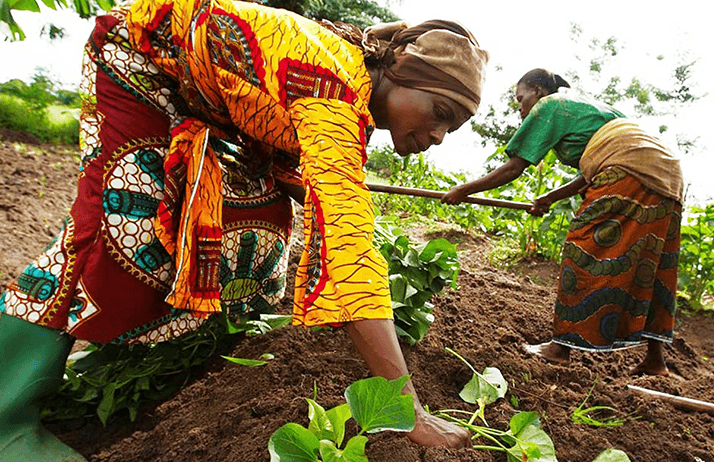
(550,351)
(653,364)
(433,431)
(650,369)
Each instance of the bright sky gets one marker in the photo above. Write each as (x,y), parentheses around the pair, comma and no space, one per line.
(520,35)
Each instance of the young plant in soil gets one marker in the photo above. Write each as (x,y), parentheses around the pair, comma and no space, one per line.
(375,404)
(524,441)
(586,415)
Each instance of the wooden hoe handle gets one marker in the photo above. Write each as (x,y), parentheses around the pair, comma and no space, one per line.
(438,195)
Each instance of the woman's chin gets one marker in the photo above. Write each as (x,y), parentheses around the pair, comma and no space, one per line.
(403,150)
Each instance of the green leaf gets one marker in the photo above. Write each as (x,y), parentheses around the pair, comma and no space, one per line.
(83,8)
(533,442)
(329,451)
(106,5)
(245,362)
(107,405)
(398,286)
(378,405)
(52,4)
(276,321)
(24,5)
(410,290)
(412,259)
(354,451)
(612,455)
(338,415)
(438,250)
(293,443)
(320,425)
(486,388)
(523,419)
(495,378)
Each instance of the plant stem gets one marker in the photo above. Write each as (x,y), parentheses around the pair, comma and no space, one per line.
(461,358)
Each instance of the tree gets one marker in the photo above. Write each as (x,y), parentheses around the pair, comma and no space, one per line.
(85,9)
(597,78)
(361,13)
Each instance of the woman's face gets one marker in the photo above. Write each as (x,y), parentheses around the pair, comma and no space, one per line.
(527,97)
(418,119)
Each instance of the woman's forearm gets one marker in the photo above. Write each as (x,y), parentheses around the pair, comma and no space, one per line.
(568,189)
(502,175)
(376,341)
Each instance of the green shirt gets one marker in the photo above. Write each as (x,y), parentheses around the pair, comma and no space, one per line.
(564,122)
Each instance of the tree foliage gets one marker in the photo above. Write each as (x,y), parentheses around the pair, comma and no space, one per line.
(362,13)
(597,76)
(11,29)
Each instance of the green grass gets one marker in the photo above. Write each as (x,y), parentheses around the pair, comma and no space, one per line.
(56,125)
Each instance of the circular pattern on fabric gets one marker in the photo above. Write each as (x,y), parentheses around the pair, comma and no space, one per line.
(609,325)
(568,280)
(607,233)
(645,273)
(131,197)
(27,298)
(674,225)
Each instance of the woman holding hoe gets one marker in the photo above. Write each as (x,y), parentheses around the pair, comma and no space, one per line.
(200,121)
(618,275)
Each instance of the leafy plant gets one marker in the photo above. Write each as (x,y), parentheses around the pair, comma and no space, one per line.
(375,404)
(696,257)
(523,441)
(483,389)
(416,274)
(104,380)
(111,378)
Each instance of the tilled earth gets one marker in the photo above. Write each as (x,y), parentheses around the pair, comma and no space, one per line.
(230,411)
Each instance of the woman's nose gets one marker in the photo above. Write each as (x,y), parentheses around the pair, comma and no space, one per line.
(437,135)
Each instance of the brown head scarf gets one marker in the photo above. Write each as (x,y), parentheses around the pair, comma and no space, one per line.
(441,57)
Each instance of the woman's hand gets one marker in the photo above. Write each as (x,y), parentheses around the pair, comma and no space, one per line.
(541,205)
(456,195)
(376,340)
(433,431)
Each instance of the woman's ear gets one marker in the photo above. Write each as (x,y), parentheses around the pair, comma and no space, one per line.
(541,91)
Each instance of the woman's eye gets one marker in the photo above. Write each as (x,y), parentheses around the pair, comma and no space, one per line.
(440,113)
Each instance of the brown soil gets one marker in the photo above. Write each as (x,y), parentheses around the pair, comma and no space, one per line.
(230,411)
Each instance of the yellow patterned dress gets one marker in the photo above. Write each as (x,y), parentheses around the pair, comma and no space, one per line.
(193,112)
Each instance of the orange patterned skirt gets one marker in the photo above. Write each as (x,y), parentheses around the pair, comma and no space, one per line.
(618,276)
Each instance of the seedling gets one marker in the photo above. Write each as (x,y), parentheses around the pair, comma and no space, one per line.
(584,415)
(523,441)
(376,405)
(482,389)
